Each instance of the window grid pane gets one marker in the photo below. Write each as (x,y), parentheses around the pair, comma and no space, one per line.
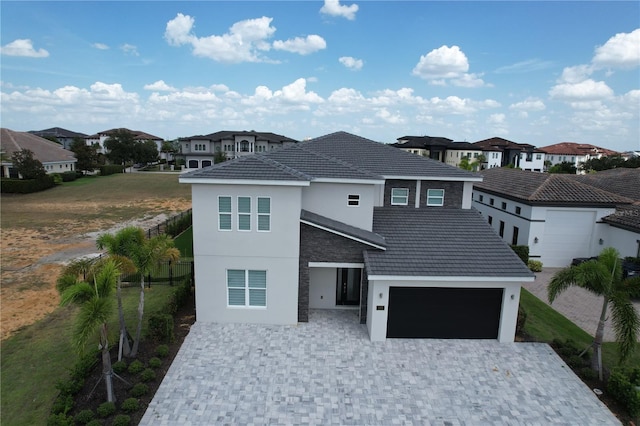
(399,196)
(258,279)
(224,204)
(257,297)
(264,222)
(235,278)
(225,222)
(236,297)
(264,205)
(244,222)
(244,204)
(435,197)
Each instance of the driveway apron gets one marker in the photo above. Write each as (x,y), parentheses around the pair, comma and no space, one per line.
(327,372)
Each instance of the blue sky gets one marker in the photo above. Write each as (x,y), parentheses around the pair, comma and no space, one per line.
(531,72)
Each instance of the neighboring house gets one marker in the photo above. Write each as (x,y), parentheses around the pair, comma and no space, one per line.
(64,136)
(343,222)
(199,151)
(426,146)
(574,153)
(53,156)
(456,151)
(519,155)
(100,138)
(558,216)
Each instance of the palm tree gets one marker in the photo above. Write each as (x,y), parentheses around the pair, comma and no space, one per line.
(119,246)
(146,256)
(96,306)
(603,277)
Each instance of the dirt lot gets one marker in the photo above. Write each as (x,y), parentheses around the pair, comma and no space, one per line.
(34,251)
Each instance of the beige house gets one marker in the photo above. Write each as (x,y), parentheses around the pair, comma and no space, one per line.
(53,156)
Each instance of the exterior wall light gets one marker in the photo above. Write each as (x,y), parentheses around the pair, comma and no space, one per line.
(601,241)
(535,240)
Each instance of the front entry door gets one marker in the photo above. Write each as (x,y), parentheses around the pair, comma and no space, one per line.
(348,286)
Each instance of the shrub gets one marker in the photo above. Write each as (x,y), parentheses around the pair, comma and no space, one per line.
(26,186)
(624,391)
(162,351)
(121,420)
(69,386)
(521,321)
(139,389)
(535,265)
(522,252)
(135,367)
(63,404)
(161,327)
(111,169)
(148,375)
(94,422)
(119,367)
(588,373)
(106,409)
(155,362)
(84,366)
(59,420)
(57,179)
(130,405)
(84,417)
(69,176)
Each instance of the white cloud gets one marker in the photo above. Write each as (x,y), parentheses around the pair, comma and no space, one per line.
(351,63)
(587,90)
(23,47)
(620,51)
(496,119)
(575,74)
(390,118)
(529,104)
(443,62)
(334,8)
(178,30)
(446,63)
(524,67)
(100,46)
(160,86)
(302,46)
(129,49)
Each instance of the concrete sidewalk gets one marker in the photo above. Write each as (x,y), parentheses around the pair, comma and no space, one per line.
(578,305)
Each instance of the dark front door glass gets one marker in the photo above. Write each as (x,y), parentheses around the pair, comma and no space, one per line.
(348,286)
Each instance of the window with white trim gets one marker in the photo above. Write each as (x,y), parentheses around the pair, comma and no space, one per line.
(435,197)
(246,288)
(244,213)
(353,200)
(399,196)
(224,213)
(264,214)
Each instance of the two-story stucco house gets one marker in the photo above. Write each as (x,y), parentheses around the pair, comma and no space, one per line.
(199,151)
(343,222)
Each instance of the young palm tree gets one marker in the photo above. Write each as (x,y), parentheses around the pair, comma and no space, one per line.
(96,305)
(119,247)
(603,277)
(146,256)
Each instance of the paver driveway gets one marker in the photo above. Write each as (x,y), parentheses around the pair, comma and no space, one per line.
(328,372)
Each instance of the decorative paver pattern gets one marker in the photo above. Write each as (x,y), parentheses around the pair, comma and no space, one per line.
(327,372)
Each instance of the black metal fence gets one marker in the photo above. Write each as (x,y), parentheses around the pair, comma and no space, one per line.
(163,227)
(164,273)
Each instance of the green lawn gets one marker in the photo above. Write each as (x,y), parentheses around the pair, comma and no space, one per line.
(37,357)
(545,324)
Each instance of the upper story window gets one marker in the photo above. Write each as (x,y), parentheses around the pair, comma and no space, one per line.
(399,196)
(480,197)
(224,213)
(244,213)
(435,197)
(246,288)
(264,214)
(538,156)
(491,201)
(504,205)
(518,210)
(244,146)
(353,200)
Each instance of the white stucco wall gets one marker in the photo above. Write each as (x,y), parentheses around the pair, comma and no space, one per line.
(276,251)
(377,319)
(330,200)
(626,242)
(322,288)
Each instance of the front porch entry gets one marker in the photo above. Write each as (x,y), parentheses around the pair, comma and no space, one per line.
(335,286)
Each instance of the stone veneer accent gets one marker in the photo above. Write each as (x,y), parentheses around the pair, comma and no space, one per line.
(317,245)
(453,192)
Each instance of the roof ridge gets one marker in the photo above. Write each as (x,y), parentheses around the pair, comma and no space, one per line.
(335,160)
(274,163)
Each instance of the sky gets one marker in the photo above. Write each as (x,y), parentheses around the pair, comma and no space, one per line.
(536,72)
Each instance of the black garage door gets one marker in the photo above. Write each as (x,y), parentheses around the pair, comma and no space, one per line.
(444,313)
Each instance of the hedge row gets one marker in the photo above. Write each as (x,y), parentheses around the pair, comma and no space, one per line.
(26,186)
(111,169)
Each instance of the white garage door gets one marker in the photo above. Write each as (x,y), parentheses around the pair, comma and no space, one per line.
(567,234)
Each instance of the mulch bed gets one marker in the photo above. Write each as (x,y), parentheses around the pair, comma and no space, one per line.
(86,399)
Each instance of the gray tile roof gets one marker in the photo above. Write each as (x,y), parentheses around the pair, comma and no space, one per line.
(625,217)
(622,181)
(343,228)
(545,188)
(229,134)
(381,159)
(43,149)
(442,243)
(250,167)
(58,132)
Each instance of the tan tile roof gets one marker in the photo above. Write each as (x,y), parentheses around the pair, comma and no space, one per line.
(621,181)
(43,149)
(627,217)
(572,148)
(545,188)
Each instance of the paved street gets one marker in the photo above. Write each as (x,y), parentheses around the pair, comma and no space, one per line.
(328,372)
(580,306)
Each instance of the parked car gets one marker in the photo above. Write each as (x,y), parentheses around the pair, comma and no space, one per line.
(630,265)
